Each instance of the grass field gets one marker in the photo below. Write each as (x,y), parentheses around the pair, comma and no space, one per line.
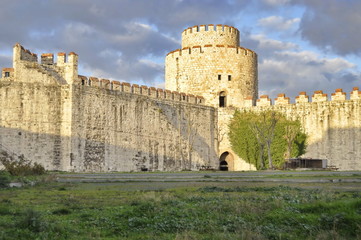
(182,210)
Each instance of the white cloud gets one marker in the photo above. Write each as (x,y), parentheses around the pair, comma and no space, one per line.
(278,23)
(291,72)
(265,43)
(276,2)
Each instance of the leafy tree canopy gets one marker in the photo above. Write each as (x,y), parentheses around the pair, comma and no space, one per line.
(288,138)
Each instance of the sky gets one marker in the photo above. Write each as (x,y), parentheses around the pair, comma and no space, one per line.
(302,45)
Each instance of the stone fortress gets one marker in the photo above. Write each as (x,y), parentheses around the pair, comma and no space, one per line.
(51,115)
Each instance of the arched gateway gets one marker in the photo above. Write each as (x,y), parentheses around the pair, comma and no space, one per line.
(226,162)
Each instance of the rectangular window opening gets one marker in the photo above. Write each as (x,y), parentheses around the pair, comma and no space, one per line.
(7,74)
(219,76)
(229,77)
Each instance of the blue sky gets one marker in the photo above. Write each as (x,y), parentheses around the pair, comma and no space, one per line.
(302,45)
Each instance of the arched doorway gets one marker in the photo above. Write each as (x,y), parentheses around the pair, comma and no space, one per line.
(222,99)
(226,162)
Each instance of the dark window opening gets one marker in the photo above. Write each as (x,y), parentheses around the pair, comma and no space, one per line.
(184,98)
(229,77)
(7,74)
(222,99)
(82,82)
(219,77)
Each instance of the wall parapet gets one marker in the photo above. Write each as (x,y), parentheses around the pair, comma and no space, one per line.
(152,92)
(210,48)
(338,96)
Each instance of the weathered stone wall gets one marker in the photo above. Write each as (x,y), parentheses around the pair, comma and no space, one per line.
(30,121)
(212,64)
(121,131)
(79,124)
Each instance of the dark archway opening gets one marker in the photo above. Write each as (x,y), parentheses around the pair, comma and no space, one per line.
(222,99)
(223,164)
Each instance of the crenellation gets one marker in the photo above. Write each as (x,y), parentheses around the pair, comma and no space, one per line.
(200,100)
(191,99)
(355,94)
(338,95)
(105,83)
(61,59)
(116,86)
(263,101)
(144,90)
(153,92)
(168,94)
(282,99)
(84,80)
(176,96)
(186,50)
(202,28)
(160,93)
(94,82)
(183,97)
(47,58)
(302,98)
(196,49)
(319,96)
(126,87)
(248,101)
(136,89)
(194,29)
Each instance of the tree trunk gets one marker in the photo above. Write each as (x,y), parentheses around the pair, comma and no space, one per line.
(270,164)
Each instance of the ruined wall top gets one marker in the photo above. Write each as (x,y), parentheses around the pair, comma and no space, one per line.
(20,53)
(210,34)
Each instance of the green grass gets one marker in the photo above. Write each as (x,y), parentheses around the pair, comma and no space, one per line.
(212,211)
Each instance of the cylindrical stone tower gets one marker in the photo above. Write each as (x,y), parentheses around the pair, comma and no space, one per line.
(212,64)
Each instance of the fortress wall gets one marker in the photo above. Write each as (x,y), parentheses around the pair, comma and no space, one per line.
(333,126)
(197,71)
(99,125)
(30,121)
(122,131)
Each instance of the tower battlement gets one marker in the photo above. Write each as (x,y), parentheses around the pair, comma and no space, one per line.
(209,48)
(211,63)
(210,34)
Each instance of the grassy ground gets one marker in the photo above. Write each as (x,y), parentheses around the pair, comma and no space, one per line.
(199,210)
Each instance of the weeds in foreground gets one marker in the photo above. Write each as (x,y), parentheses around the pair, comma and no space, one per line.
(71,212)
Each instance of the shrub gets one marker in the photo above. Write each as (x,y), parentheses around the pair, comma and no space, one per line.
(4,179)
(33,221)
(22,167)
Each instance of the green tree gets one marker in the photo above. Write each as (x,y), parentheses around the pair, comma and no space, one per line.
(266,138)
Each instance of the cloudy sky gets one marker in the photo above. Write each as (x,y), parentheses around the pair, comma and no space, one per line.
(303,45)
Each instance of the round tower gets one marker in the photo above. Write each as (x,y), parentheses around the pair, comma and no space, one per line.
(212,64)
